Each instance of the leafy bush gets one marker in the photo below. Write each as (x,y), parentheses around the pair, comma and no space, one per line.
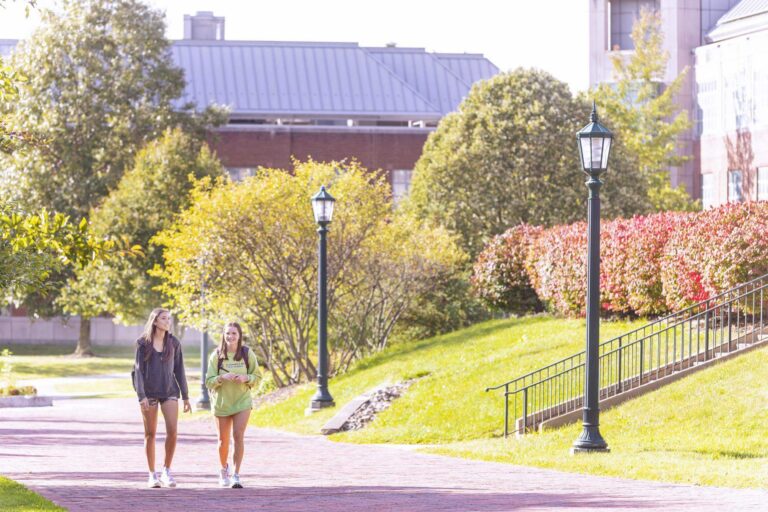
(713,251)
(18,391)
(631,258)
(254,244)
(499,278)
(557,268)
(650,265)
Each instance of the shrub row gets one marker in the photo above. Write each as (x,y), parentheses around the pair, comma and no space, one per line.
(650,265)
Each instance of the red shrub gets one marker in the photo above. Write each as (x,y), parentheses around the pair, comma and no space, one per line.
(716,250)
(557,268)
(499,278)
(630,271)
(649,265)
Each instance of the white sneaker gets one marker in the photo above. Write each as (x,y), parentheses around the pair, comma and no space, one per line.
(235,481)
(224,477)
(167,479)
(153,482)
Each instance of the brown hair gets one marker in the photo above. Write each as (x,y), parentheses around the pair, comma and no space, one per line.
(149,334)
(239,351)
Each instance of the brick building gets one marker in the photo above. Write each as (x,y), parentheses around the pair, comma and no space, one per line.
(328,101)
(325,100)
(723,44)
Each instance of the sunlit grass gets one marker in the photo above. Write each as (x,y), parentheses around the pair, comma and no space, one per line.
(45,361)
(14,497)
(708,429)
(449,402)
(114,387)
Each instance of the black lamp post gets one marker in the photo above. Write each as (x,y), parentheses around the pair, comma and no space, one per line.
(322,206)
(594,146)
(204,403)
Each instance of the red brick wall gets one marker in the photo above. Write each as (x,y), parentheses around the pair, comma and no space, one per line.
(274,148)
(746,150)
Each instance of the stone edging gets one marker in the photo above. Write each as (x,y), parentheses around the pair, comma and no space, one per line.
(25,401)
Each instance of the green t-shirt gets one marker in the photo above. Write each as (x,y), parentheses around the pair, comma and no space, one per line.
(231,397)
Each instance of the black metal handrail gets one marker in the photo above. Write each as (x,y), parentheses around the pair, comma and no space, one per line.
(638,356)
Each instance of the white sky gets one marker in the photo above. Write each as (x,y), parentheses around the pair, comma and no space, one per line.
(547,34)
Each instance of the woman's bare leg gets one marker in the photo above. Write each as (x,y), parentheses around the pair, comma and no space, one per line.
(239,423)
(224,427)
(170,410)
(150,431)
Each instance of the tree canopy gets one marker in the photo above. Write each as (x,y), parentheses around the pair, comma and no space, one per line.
(100,84)
(252,246)
(644,113)
(508,156)
(145,202)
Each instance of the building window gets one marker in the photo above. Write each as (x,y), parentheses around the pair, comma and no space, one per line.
(623,16)
(735,186)
(240,173)
(707,190)
(401,182)
(762,183)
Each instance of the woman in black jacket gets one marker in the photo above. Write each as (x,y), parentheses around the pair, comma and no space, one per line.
(159,380)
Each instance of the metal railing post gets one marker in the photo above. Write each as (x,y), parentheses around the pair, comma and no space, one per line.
(706,336)
(506,410)
(525,410)
(621,354)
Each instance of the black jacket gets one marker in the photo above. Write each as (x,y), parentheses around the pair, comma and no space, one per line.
(156,378)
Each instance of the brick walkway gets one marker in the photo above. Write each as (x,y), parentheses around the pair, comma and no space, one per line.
(87,455)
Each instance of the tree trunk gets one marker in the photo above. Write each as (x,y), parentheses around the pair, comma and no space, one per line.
(84,341)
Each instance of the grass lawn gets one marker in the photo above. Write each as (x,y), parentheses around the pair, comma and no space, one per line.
(449,403)
(15,497)
(43,361)
(118,387)
(708,428)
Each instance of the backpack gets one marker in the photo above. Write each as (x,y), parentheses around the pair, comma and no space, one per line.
(243,350)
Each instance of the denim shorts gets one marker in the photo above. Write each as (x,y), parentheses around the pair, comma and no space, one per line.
(154,401)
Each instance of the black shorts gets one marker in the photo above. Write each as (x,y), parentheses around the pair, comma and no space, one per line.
(154,401)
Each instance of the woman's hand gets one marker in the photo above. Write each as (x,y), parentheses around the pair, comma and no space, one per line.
(144,404)
(187,406)
(243,379)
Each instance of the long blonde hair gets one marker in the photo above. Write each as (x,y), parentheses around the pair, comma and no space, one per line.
(149,334)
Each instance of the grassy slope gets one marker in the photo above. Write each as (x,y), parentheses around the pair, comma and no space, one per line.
(708,429)
(15,497)
(450,402)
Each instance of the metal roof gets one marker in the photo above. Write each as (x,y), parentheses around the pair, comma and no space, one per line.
(431,76)
(744,9)
(7,46)
(323,80)
(301,79)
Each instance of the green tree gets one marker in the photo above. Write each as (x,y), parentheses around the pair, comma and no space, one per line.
(33,247)
(145,202)
(508,156)
(101,84)
(254,245)
(644,114)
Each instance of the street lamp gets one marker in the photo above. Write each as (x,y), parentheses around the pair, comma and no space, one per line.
(322,206)
(204,403)
(594,146)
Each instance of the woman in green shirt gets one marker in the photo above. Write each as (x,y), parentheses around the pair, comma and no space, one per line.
(232,372)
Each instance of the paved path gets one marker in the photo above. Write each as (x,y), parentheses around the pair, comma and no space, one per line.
(87,455)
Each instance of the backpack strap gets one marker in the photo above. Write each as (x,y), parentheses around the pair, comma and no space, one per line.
(219,361)
(244,350)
